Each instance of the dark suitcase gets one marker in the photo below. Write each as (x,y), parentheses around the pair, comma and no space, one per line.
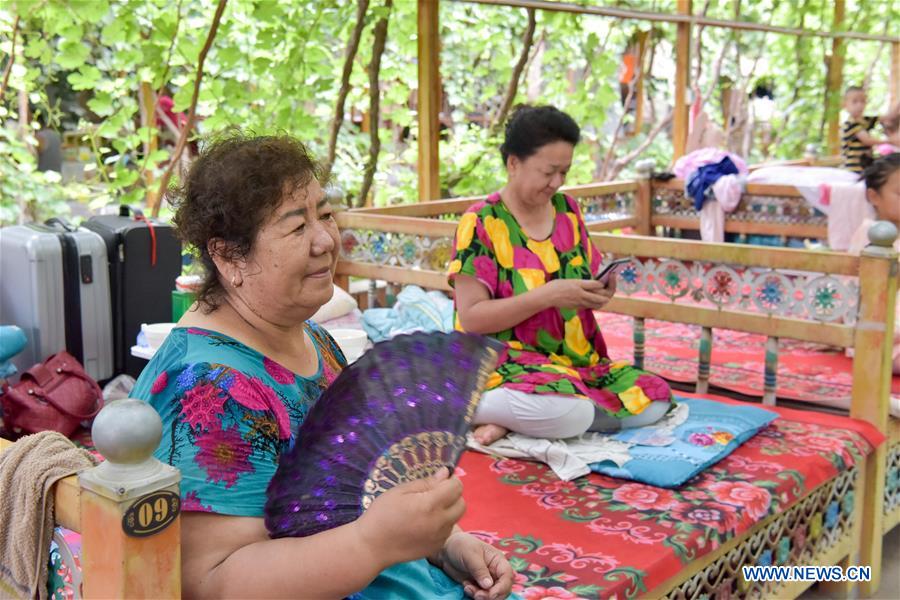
(144,260)
(56,288)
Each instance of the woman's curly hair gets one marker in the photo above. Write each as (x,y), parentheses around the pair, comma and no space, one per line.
(235,184)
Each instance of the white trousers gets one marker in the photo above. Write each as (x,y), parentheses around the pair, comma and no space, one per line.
(553,417)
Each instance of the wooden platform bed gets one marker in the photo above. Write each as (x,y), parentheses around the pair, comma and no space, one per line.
(813,485)
(821,297)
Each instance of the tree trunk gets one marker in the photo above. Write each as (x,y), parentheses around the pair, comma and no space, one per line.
(513,87)
(615,138)
(798,57)
(621,163)
(12,59)
(378,43)
(362,7)
(192,112)
(697,51)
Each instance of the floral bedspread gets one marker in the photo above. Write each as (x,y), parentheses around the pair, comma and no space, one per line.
(603,537)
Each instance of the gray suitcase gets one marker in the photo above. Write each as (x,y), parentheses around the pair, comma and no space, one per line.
(54,284)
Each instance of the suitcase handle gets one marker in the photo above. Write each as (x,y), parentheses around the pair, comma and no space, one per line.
(66,226)
(126,211)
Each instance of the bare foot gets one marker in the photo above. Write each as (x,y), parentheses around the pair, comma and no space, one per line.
(488,434)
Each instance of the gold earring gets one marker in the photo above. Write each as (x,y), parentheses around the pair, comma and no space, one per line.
(235,283)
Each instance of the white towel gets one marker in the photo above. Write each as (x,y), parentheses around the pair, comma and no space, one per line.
(571,458)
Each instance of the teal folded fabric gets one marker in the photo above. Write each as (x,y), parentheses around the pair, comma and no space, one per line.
(712,431)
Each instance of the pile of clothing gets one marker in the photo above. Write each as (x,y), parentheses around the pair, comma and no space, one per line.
(715,179)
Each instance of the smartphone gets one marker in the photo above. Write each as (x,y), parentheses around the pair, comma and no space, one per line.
(611,268)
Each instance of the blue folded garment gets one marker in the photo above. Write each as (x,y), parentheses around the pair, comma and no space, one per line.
(711,432)
(703,178)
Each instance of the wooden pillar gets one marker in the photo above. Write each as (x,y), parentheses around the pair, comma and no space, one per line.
(895,74)
(342,281)
(872,380)
(682,72)
(639,89)
(704,359)
(429,100)
(643,199)
(835,81)
(116,565)
(130,507)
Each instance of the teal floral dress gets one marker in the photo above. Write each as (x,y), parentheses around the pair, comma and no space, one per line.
(558,350)
(228,414)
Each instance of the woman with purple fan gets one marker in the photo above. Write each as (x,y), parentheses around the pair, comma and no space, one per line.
(242,371)
(525,272)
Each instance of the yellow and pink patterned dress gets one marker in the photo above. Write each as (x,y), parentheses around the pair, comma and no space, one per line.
(558,350)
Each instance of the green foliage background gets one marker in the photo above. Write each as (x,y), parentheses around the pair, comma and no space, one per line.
(275,67)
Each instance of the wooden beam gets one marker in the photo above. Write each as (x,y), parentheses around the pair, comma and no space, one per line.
(431,280)
(682,73)
(430,208)
(835,263)
(459,205)
(613,224)
(429,99)
(796,329)
(396,224)
(895,74)
(835,80)
(747,227)
(659,17)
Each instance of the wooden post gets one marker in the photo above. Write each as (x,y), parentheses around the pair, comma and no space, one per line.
(682,71)
(872,379)
(638,335)
(429,100)
(895,74)
(644,198)
(770,375)
(703,362)
(130,505)
(639,89)
(342,281)
(835,80)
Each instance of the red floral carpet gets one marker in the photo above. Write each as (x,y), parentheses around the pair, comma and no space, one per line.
(806,372)
(601,537)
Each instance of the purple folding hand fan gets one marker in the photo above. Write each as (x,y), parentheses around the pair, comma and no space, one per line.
(397,414)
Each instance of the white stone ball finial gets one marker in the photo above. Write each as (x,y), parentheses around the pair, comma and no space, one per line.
(883,233)
(644,167)
(126,432)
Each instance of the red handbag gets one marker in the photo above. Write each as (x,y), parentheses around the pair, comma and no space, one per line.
(54,395)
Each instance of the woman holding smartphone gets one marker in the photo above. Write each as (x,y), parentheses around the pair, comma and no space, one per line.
(525,272)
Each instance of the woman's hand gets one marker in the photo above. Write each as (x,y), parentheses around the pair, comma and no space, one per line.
(579,293)
(483,570)
(412,520)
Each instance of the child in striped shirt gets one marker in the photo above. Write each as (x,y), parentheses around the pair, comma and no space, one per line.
(856,141)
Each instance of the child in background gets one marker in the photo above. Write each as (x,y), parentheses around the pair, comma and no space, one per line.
(882,179)
(856,141)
